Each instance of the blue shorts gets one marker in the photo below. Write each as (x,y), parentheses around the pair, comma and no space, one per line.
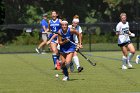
(67,48)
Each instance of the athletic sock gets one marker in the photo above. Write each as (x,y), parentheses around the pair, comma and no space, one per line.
(124,60)
(54,57)
(65,69)
(139,56)
(129,57)
(58,57)
(76,61)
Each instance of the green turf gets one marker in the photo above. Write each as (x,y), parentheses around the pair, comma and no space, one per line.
(31,48)
(33,73)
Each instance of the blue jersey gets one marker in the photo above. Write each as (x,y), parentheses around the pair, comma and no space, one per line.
(43,23)
(54,26)
(67,47)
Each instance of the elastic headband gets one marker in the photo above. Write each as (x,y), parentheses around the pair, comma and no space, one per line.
(76,20)
(64,22)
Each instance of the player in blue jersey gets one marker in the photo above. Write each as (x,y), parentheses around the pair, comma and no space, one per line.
(67,48)
(44,30)
(54,25)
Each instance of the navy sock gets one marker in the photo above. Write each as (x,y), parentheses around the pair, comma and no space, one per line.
(58,57)
(54,56)
(65,71)
(139,57)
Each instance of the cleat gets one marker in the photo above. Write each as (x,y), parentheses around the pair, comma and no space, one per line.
(124,67)
(58,65)
(65,78)
(80,69)
(43,52)
(71,67)
(137,59)
(38,50)
(55,66)
(129,65)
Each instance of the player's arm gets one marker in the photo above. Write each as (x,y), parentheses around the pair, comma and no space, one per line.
(131,34)
(118,30)
(54,35)
(78,35)
(80,31)
(44,27)
(60,39)
(52,38)
(60,21)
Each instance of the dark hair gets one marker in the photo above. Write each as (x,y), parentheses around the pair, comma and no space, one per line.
(58,14)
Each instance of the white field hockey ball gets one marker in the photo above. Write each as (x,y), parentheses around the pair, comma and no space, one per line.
(56,75)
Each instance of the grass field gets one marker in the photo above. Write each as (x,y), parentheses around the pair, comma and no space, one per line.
(33,73)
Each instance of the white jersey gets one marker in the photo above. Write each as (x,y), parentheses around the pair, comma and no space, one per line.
(78,29)
(123,29)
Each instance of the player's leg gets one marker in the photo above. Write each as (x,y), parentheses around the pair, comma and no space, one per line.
(43,49)
(130,54)
(137,59)
(44,38)
(64,66)
(67,64)
(55,53)
(124,58)
(76,61)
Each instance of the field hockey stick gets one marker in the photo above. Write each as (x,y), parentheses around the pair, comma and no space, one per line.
(88,60)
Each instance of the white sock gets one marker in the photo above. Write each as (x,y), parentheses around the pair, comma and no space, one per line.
(129,57)
(76,61)
(124,60)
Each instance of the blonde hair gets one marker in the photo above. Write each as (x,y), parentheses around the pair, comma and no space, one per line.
(122,14)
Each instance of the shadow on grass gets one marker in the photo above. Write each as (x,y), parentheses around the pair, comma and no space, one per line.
(128,68)
(75,79)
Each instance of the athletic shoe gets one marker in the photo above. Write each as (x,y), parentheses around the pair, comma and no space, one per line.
(38,50)
(129,65)
(71,67)
(43,52)
(65,78)
(137,59)
(55,66)
(124,67)
(80,69)
(58,65)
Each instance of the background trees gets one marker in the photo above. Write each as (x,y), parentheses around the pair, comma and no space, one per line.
(90,11)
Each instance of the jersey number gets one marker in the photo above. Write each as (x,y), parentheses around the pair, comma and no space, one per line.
(54,28)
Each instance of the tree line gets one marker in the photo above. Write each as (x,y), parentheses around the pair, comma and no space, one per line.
(90,11)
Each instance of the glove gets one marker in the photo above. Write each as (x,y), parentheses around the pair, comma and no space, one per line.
(132,35)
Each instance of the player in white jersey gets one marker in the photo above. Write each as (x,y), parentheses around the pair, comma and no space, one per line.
(75,25)
(123,33)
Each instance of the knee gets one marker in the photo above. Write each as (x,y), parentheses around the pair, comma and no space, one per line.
(54,51)
(133,51)
(63,64)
